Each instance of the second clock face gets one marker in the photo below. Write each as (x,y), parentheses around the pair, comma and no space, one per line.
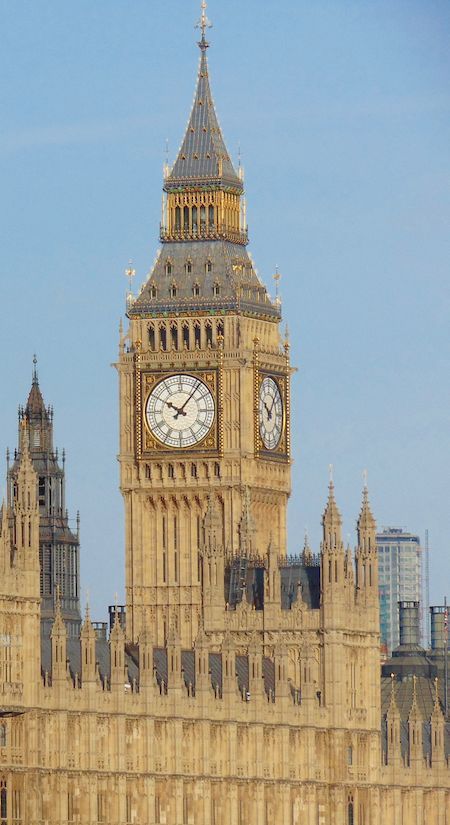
(180,411)
(270,413)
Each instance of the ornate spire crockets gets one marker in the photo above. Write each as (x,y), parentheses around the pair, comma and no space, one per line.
(203,188)
(332,521)
(366,525)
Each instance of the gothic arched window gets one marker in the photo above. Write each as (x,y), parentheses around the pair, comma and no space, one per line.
(194,218)
(197,334)
(350,812)
(186,336)
(173,291)
(3,735)
(177,218)
(168,268)
(188,267)
(208,330)
(211,216)
(186,218)
(163,337)
(151,337)
(209,266)
(174,335)
(3,802)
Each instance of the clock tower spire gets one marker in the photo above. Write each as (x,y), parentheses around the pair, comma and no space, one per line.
(204,391)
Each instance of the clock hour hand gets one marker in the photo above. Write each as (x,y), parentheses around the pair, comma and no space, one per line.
(173,407)
(269,412)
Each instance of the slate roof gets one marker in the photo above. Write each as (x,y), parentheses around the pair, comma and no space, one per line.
(425,696)
(232,270)
(35,407)
(308,576)
(203,156)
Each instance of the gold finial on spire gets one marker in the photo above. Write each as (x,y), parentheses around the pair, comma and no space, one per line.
(203,24)
(365,479)
(331,472)
(130,273)
(277,278)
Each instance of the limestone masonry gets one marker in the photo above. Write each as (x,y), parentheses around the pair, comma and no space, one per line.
(238,685)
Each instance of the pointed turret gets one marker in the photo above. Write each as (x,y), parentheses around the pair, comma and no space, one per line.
(281,661)
(59,645)
(366,554)
(366,525)
(174,673)
(415,728)
(203,156)
(393,728)
(255,667)
(117,653)
(35,407)
(88,655)
(212,526)
(25,512)
(203,263)
(437,730)
(333,556)
(201,650)
(145,660)
(332,522)
(307,555)
(246,527)
(272,594)
(59,546)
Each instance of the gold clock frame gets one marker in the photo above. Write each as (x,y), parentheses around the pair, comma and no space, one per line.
(282,451)
(146,444)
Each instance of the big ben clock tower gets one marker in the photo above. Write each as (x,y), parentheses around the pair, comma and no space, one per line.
(204,398)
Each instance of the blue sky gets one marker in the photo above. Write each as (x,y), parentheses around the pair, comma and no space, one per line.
(342,111)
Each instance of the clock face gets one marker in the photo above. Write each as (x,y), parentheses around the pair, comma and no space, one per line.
(270,413)
(180,411)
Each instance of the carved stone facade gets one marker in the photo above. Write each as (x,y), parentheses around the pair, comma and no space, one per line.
(244,687)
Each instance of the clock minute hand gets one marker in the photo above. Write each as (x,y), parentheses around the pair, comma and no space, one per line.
(181,409)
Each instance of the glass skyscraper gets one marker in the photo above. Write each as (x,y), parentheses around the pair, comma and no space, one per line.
(400,578)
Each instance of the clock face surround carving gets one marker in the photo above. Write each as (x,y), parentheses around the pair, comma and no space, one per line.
(180,411)
(271,415)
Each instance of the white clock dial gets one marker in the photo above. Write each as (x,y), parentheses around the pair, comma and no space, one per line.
(270,413)
(180,411)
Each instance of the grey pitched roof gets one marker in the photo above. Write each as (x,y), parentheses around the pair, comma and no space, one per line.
(308,576)
(203,156)
(230,269)
(425,697)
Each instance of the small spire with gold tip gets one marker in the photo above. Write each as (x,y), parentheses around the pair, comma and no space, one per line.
(203,24)
(130,273)
(277,278)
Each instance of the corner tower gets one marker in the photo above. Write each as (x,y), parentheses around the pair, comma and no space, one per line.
(58,544)
(204,393)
